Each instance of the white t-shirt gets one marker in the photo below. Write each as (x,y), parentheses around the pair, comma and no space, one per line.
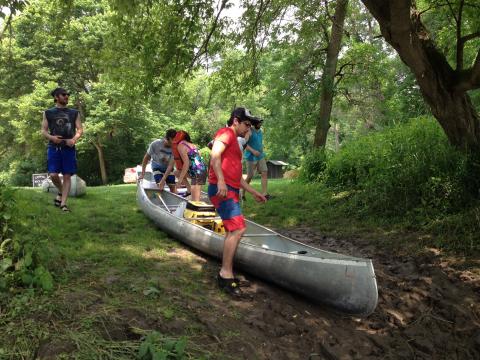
(160,154)
(242,142)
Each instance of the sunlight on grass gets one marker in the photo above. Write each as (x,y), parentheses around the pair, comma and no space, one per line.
(133,250)
(341,195)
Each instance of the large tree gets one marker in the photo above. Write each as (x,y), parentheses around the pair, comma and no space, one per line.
(328,74)
(445,75)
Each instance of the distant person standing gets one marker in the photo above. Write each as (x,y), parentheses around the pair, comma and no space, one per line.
(62,127)
(225,181)
(160,153)
(255,157)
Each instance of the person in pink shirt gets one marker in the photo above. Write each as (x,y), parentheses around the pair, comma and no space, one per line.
(225,181)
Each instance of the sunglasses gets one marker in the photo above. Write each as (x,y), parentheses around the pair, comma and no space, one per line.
(64,94)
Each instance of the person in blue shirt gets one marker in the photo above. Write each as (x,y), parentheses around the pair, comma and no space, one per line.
(255,157)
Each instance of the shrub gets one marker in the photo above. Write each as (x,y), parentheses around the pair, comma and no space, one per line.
(405,168)
(313,165)
(205,153)
(20,261)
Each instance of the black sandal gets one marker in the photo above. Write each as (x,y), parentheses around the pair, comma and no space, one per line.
(230,286)
(57,202)
(64,208)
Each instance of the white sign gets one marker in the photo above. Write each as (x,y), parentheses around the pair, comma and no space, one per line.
(38,179)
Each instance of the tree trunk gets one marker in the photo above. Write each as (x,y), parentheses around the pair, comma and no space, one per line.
(443,88)
(101,162)
(326,100)
(336,131)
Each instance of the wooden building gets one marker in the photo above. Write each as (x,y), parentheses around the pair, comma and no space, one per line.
(275,169)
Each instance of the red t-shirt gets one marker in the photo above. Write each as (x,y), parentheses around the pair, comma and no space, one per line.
(231,159)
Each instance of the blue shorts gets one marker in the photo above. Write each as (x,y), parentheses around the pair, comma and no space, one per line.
(61,160)
(228,207)
(158,175)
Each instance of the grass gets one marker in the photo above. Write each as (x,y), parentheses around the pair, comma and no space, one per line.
(107,258)
(336,214)
(117,277)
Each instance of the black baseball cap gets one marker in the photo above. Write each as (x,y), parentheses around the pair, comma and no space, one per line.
(256,121)
(242,114)
(58,91)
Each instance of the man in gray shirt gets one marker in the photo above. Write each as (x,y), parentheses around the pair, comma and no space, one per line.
(160,152)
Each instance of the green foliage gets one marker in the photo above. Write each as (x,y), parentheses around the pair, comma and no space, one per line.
(20,259)
(157,347)
(406,168)
(313,165)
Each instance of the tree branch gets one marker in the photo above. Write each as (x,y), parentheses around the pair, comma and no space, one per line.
(453,12)
(476,71)
(460,44)
(339,72)
(469,79)
(7,25)
(468,37)
(204,47)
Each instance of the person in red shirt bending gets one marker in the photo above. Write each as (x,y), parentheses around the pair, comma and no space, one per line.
(225,180)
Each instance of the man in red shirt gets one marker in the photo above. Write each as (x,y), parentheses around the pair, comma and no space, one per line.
(225,180)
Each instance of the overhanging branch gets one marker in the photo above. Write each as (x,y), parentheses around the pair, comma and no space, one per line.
(204,47)
(7,25)
(460,44)
(469,79)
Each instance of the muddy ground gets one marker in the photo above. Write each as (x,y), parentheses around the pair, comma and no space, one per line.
(428,308)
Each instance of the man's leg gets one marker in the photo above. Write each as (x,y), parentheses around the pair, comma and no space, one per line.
(250,172)
(171,183)
(264,182)
(58,184)
(56,181)
(67,182)
(54,165)
(263,170)
(229,248)
(69,167)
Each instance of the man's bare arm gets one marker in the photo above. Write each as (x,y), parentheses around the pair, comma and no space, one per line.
(78,133)
(145,161)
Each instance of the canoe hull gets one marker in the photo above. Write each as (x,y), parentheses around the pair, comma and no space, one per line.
(78,186)
(345,283)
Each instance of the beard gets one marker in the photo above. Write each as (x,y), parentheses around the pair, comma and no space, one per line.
(62,101)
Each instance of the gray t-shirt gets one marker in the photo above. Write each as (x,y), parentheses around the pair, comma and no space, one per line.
(160,154)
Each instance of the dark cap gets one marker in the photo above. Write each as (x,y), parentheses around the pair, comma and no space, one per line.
(256,121)
(57,91)
(242,114)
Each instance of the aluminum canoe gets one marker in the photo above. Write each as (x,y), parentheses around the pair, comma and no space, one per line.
(345,283)
(78,186)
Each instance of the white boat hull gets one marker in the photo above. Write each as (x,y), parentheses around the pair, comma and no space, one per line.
(78,186)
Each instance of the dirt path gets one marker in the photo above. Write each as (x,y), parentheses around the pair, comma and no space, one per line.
(426,310)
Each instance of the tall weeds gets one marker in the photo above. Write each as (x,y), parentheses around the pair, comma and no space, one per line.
(20,260)
(406,172)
